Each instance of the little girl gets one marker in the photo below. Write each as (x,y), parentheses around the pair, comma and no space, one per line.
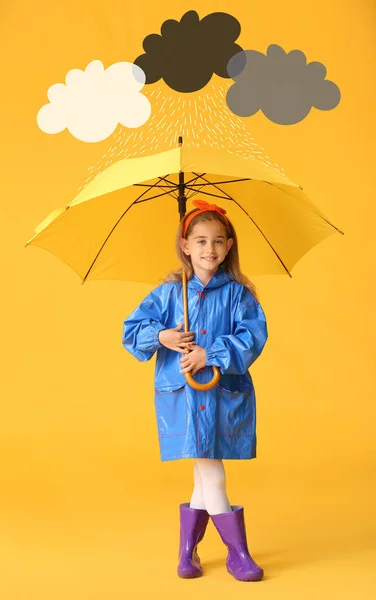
(228,330)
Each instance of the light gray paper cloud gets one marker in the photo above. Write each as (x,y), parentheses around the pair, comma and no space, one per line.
(283,86)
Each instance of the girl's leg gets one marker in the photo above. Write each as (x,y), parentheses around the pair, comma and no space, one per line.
(229,521)
(193,521)
(213,480)
(197,500)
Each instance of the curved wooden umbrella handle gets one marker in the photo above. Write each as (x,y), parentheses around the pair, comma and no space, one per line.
(204,386)
(188,377)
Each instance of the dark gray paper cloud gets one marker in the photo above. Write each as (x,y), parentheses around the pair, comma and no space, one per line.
(187,53)
(283,86)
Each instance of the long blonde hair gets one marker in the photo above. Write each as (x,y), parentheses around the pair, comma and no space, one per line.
(231,263)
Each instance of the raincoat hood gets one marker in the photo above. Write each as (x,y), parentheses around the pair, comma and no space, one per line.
(219,278)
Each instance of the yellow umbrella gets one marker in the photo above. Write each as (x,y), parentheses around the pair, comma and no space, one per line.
(104,233)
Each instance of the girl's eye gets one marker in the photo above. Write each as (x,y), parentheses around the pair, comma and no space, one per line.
(204,241)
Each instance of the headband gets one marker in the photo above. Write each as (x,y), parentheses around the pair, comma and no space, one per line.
(203,207)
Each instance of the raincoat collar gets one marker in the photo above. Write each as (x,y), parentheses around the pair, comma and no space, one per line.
(219,278)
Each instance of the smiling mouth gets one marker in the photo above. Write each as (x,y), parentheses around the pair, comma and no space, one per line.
(209,258)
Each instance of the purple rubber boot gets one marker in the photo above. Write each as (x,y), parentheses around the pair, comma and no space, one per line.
(231,528)
(193,522)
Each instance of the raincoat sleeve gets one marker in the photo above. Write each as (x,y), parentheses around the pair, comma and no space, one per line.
(141,328)
(235,353)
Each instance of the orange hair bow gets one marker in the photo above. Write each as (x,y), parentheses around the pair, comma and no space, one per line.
(203,207)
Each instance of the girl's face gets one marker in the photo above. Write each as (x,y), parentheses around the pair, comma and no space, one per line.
(207,245)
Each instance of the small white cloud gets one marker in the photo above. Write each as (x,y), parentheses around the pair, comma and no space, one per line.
(92,102)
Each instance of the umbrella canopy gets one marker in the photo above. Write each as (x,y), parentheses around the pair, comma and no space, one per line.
(122,225)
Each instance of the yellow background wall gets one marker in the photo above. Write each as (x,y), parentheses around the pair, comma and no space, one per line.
(87,509)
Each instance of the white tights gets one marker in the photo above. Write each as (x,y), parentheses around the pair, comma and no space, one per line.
(210,486)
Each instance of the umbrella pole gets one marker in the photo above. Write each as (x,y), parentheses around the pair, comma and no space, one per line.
(188,377)
(216,372)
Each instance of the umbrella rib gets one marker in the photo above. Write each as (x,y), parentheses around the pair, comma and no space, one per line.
(137,201)
(194,179)
(194,192)
(255,224)
(173,184)
(199,184)
(207,193)
(157,196)
(316,213)
(152,198)
(149,186)
(220,182)
(168,181)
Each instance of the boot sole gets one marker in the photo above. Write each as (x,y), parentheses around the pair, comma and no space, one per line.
(189,576)
(255,577)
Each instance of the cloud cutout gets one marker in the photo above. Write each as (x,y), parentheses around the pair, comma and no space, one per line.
(91,103)
(187,53)
(283,86)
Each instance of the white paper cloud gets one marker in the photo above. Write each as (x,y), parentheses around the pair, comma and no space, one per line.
(92,102)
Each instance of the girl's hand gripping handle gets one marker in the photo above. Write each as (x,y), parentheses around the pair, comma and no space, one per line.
(174,339)
(188,377)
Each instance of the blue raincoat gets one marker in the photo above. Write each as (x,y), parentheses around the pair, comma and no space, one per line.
(230,324)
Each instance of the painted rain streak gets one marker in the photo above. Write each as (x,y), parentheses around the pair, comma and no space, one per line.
(201,118)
